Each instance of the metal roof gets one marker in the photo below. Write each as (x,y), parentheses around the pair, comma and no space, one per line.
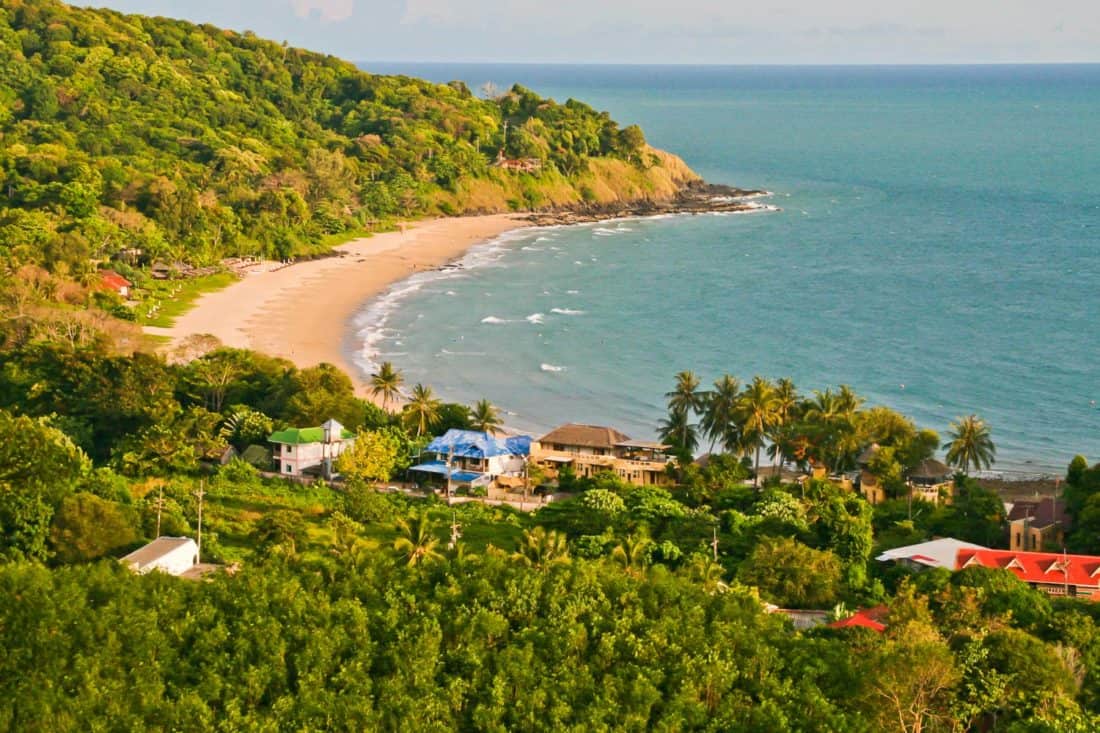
(472,444)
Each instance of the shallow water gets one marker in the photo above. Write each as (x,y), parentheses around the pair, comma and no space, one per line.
(938,249)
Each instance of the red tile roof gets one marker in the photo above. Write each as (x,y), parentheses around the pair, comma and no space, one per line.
(113,280)
(868,618)
(1036,567)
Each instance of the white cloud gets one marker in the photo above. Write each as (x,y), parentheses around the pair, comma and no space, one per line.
(330,10)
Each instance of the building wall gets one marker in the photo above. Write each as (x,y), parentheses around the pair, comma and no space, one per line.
(588,462)
(175,562)
(291,460)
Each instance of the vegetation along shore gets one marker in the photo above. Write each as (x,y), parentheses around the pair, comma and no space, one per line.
(225,532)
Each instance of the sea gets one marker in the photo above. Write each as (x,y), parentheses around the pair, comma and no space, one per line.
(931,238)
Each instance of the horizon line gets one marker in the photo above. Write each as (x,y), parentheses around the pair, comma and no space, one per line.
(744,65)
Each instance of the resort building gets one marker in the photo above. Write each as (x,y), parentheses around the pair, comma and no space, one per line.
(592,449)
(172,555)
(310,451)
(1055,573)
(930,480)
(1037,524)
(466,458)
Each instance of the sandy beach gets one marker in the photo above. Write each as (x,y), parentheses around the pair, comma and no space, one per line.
(303,312)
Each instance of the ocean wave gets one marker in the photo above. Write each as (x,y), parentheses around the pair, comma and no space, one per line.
(531,249)
(567,311)
(494,320)
(551,368)
(572,292)
(448,352)
(534,318)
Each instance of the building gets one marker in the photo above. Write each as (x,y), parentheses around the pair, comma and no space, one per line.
(472,459)
(592,449)
(310,451)
(111,280)
(1035,525)
(940,553)
(930,480)
(172,555)
(1055,573)
(866,618)
(518,165)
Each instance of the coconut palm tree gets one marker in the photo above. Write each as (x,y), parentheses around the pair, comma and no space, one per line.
(416,542)
(422,409)
(786,406)
(485,417)
(678,431)
(386,382)
(756,409)
(719,413)
(970,444)
(542,548)
(632,554)
(684,400)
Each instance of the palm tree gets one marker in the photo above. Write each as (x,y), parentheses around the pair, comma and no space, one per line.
(684,400)
(719,413)
(542,548)
(485,417)
(756,410)
(386,382)
(678,431)
(633,553)
(786,405)
(970,444)
(416,542)
(422,409)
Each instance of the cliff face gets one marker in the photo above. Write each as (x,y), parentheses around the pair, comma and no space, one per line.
(123,132)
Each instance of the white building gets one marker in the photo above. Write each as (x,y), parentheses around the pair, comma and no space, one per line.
(939,553)
(305,451)
(172,555)
(466,457)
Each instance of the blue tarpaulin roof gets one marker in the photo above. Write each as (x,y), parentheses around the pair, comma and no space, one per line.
(471,444)
(439,467)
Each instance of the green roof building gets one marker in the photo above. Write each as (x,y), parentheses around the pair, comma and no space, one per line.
(310,451)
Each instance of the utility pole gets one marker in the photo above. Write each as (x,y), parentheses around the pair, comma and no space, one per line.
(200,494)
(714,543)
(450,458)
(160,506)
(456,532)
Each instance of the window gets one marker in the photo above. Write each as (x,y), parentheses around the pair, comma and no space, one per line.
(287,468)
(288,449)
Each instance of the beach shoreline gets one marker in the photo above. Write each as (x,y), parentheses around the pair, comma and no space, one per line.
(305,312)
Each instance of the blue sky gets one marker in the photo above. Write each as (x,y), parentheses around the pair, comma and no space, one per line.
(660,31)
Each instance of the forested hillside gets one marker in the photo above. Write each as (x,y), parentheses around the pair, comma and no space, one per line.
(189,142)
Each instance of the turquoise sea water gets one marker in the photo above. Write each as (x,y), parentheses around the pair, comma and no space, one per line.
(937,248)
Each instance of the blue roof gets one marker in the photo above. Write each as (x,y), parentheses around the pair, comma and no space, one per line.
(439,467)
(471,444)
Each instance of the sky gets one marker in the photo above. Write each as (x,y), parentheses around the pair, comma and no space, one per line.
(662,31)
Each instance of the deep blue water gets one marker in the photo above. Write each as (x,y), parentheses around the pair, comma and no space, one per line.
(938,249)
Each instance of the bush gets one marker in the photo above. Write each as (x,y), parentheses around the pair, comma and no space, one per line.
(363,504)
(86,527)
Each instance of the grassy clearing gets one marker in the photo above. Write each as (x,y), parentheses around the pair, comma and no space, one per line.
(173,298)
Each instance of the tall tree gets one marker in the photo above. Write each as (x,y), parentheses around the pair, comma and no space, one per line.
(971,445)
(756,409)
(386,383)
(786,408)
(422,410)
(719,418)
(485,417)
(683,401)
